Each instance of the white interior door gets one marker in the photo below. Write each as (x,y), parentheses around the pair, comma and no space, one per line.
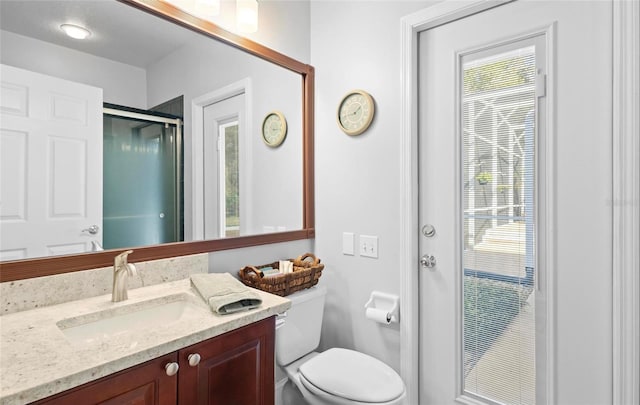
(51,167)
(514,120)
(218,117)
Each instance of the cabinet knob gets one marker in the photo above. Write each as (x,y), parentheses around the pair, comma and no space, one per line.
(171,368)
(194,359)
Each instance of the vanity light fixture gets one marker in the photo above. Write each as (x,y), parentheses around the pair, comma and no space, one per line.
(247,15)
(75,31)
(246,11)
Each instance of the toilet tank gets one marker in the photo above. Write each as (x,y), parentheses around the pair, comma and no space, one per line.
(300,333)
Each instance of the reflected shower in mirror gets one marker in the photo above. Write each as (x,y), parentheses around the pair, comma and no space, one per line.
(142,180)
(156,165)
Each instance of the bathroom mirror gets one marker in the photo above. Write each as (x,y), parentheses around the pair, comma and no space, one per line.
(163,75)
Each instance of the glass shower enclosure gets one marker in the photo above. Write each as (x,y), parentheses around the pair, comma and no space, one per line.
(142,178)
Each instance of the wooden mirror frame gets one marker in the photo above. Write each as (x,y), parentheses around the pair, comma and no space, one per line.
(45,266)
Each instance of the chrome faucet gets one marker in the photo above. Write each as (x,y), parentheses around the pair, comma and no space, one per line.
(121,269)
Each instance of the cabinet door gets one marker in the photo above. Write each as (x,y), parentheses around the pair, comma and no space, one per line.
(236,368)
(145,384)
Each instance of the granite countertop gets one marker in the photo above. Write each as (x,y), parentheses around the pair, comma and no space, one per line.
(38,360)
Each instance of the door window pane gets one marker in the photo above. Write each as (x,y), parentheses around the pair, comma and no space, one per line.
(230,180)
(498,107)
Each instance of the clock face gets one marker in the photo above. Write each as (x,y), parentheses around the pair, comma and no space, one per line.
(274,129)
(355,112)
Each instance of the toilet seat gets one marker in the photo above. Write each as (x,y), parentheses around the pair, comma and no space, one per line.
(350,377)
(316,396)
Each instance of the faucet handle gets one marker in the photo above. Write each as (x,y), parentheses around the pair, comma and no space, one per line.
(131,269)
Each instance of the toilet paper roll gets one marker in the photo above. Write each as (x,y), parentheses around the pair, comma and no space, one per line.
(378,315)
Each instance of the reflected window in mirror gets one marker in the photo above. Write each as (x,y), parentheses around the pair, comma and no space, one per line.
(229,179)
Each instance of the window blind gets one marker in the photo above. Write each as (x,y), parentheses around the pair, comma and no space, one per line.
(498,177)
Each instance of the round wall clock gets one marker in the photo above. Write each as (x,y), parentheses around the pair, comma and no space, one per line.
(274,128)
(355,112)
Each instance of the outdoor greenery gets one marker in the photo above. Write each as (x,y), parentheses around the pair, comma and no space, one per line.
(484,177)
(501,74)
(232,183)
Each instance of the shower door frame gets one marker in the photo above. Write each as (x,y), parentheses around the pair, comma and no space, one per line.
(148,117)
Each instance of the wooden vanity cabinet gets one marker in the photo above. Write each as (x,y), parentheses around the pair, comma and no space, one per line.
(144,384)
(236,368)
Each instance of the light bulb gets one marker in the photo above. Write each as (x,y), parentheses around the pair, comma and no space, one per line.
(75,31)
(247,15)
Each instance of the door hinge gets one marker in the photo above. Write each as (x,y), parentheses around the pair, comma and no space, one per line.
(541,85)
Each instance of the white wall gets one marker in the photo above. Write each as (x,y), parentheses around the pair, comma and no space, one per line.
(122,84)
(205,66)
(356,45)
(233,260)
(284,26)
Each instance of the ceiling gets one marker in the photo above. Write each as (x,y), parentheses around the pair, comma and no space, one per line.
(119,32)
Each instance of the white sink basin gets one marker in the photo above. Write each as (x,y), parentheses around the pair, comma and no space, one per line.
(107,324)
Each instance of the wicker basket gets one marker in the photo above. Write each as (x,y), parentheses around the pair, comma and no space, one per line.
(306,272)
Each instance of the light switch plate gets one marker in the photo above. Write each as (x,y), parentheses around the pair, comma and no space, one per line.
(348,243)
(369,246)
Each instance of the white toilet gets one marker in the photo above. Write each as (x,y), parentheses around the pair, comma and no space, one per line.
(335,376)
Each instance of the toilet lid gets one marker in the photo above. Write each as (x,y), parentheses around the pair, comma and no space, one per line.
(353,375)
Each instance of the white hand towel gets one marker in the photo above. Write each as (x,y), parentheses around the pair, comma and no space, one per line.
(224,293)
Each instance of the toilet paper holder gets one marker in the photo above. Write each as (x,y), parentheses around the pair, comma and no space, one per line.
(378,302)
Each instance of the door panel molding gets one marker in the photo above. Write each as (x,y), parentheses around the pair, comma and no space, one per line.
(43,158)
(626,202)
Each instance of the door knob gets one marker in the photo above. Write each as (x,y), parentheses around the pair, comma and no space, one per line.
(194,359)
(92,230)
(171,368)
(428,261)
